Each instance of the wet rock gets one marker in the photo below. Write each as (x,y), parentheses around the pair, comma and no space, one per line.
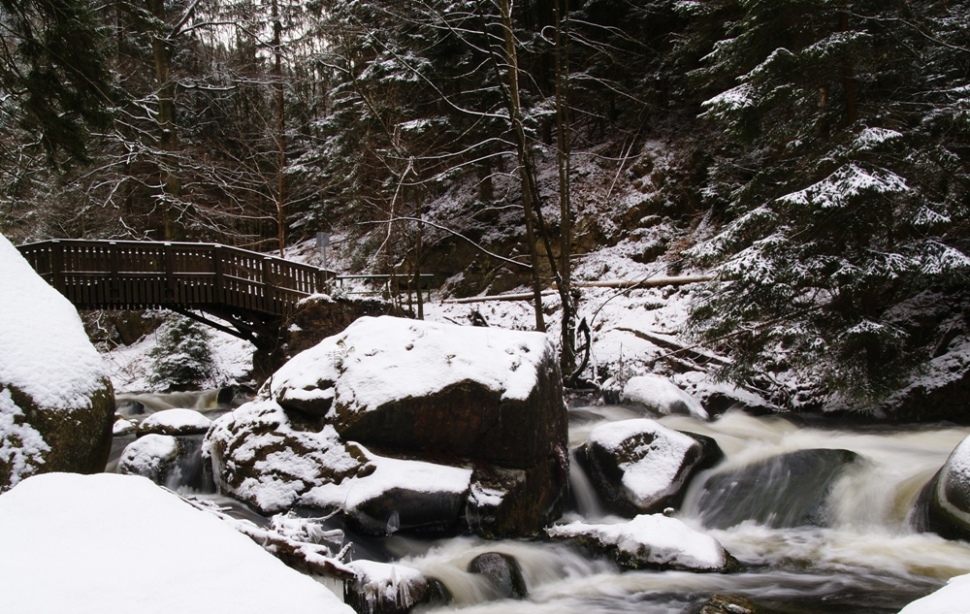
(650,542)
(166,460)
(643,467)
(788,490)
(943,505)
(731,604)
(381,588)
(502,572)
(658,395)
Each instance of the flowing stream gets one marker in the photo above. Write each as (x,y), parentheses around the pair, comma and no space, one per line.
(866,559)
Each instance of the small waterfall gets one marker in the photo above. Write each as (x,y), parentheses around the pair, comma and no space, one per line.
(582,493)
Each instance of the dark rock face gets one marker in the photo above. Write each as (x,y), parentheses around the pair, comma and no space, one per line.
(79,440)
(320,317)
(503,574)
(789,490)
(670,459)
(943,505)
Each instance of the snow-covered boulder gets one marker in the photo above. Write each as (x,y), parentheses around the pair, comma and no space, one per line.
(382,588)
(166,460)
(651,541)
(643,467)
(943,506)
(275,461)
(658,395)
(951,599)
(175,422)
(56,402)
(480,398)
(62,534)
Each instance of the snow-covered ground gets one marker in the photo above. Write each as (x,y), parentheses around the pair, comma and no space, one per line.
(108,543)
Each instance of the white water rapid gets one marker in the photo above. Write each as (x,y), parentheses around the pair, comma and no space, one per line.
(865,560)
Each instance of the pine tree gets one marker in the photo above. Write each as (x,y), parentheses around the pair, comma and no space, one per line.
(832,220)
(182,357)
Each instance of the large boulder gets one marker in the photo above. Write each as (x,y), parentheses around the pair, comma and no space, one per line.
(56,401)
(643,467)
(787,490)
(943,505)
(406,425)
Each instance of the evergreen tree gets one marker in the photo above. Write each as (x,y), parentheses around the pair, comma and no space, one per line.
(181,358)
(832,220)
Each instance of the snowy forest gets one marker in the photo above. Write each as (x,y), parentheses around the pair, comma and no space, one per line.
(810,157)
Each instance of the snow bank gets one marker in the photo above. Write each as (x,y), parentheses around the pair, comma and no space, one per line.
(413,360)
(951,599)
(44,351)
(63,534)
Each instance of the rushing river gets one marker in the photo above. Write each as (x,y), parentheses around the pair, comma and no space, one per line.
(866,560)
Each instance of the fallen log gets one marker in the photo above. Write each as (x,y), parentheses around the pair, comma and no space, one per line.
(651,282)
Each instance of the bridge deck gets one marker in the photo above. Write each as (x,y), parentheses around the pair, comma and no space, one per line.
(143,275)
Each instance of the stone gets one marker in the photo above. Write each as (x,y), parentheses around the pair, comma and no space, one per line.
(659,396)
(651,541)
(502,572)
(643,467)
(167,460)
(787,490)
(483,398)
(56,402)
(175,422)
(943,505)
(382,588)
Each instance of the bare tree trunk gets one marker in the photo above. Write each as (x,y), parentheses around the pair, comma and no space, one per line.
(567,355)
(525,174)
(281,195)
(168,136)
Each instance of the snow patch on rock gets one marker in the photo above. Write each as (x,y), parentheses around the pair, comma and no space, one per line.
(416,360)
(44,351)
(659,394)
(652,540)
(659,462)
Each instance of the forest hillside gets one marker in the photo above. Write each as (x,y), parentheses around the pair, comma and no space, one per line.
(809,158)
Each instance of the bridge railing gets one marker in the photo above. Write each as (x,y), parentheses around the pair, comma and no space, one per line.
(141,274)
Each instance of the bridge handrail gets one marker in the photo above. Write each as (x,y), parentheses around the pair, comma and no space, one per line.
(225,271)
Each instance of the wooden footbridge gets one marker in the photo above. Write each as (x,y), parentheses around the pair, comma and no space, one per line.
(251,292)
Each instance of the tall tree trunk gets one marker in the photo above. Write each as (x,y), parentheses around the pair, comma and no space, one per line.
(567,355)
(527,177)
(168,140)
(281,188)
